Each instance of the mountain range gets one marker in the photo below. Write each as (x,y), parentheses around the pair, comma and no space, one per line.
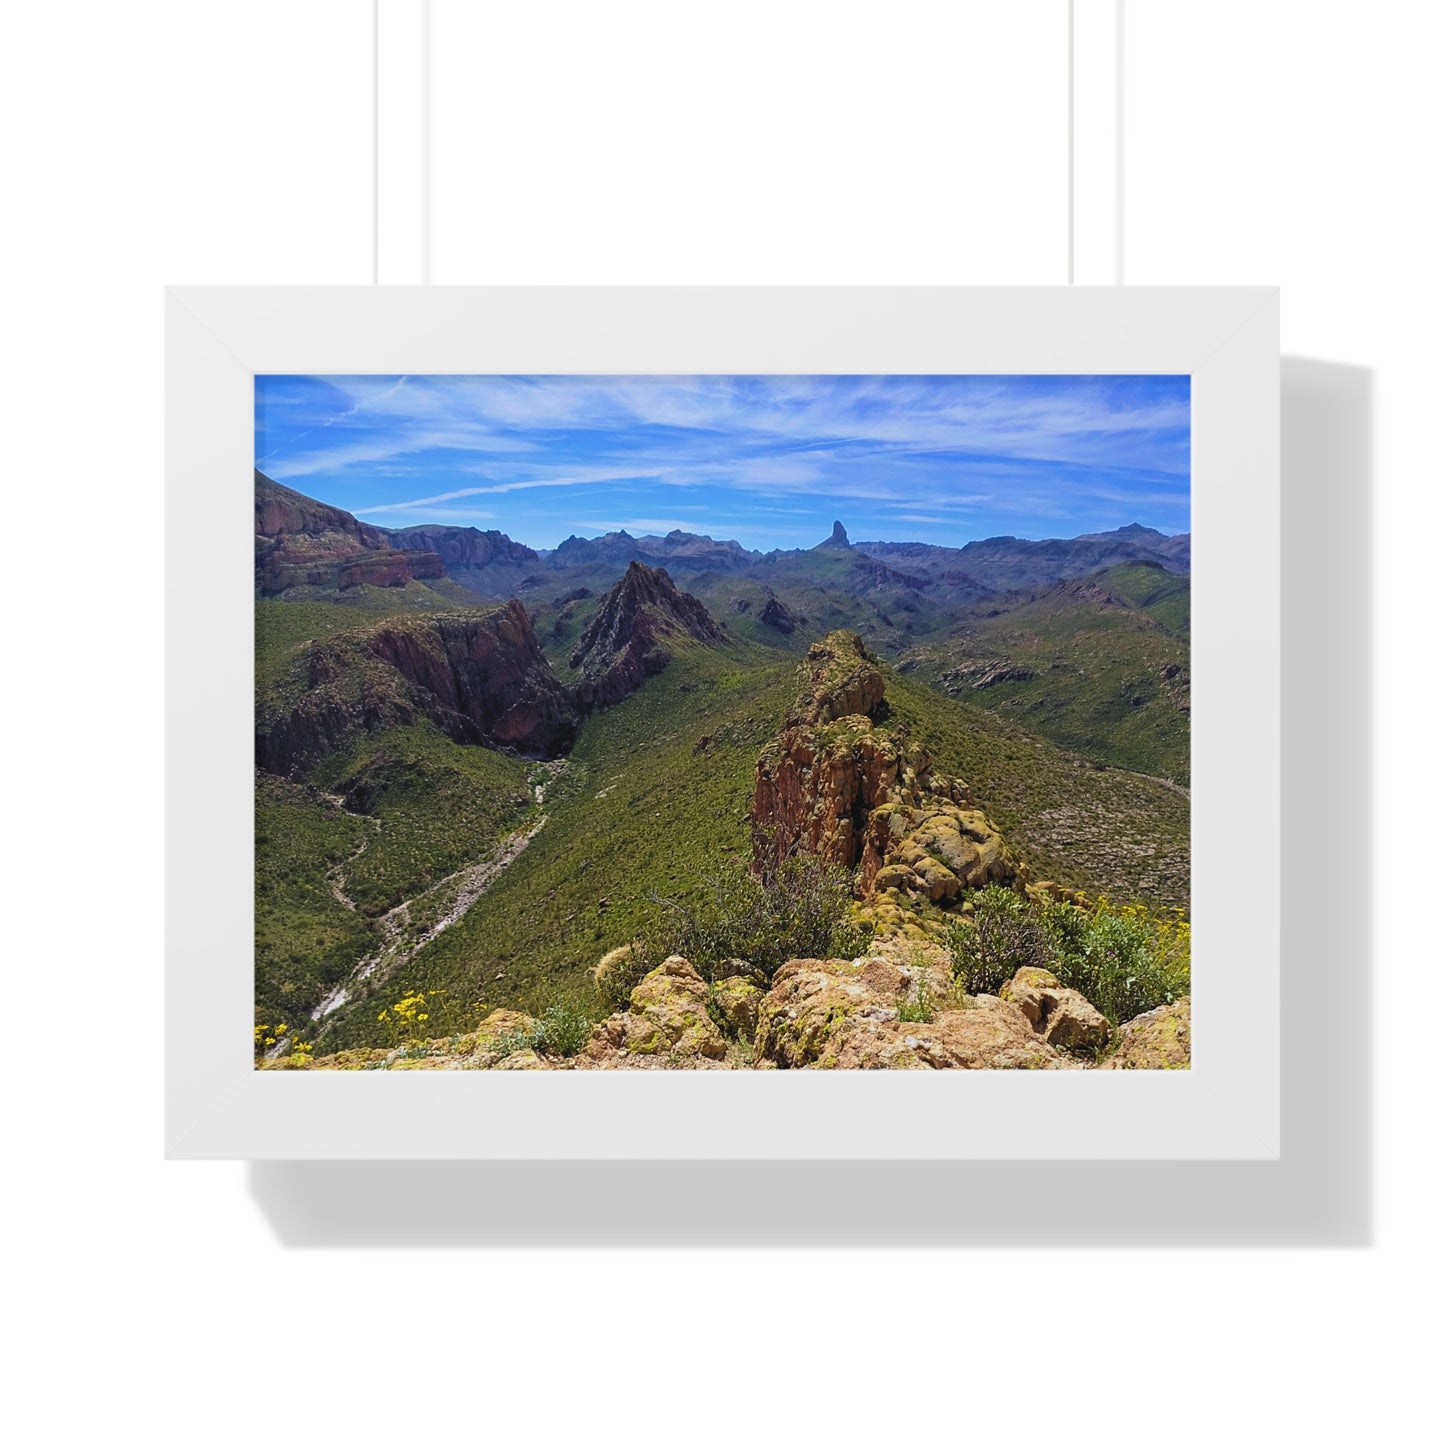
(302,536)
(428,698)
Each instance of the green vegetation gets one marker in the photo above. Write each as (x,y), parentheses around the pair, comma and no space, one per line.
(562,1030)
(919,1005)
(1124,960)
(1086,827)
(1164,596)
(284,625)
(643,807)
(440,805)
(799,908)
(653,803)
(1007,934)
(1099,667)
(307,940)
(645,832)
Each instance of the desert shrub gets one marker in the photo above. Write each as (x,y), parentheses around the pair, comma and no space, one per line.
(621,971)
(1005,936)
(512,1041)
(919,1007)
(798,908)
(562,1029)
(1124,959)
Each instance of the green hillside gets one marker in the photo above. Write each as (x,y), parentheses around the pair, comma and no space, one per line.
(1100,667)
(640,809)
(643,808)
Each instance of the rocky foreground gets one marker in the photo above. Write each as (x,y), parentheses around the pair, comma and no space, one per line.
(896,1007)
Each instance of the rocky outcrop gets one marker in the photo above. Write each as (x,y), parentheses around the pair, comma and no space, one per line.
(390,569)
(985,674)
(836,785)
(463,546)
(480,677)
(280,512)
(301,542)
(776,615)
(624,643)
(736,1001)
(845,1014)
(840,679)
(896,1007)
(668,1019)
(837,538)
(1159,1039)
(1062,1015)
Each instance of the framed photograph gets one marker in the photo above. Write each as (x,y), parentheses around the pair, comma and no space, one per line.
(723,723)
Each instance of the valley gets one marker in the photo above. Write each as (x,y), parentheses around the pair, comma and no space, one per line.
(482,768)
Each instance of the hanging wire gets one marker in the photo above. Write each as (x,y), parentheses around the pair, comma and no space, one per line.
(375,141)
(426,142)
(1071,142)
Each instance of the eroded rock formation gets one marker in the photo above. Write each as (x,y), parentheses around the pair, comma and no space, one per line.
(837,784)
(625,641)
(480,677)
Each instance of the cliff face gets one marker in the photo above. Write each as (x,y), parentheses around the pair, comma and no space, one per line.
(624,643)
(301,542)
(282,512)
(482,678)
(463,546)
(837,785)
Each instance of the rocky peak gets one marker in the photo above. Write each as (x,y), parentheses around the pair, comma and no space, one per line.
(623,644)
(839,537)
(866,797)
(778,615)
(839,677)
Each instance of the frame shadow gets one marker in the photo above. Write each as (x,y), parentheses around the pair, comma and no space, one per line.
(1320,1193)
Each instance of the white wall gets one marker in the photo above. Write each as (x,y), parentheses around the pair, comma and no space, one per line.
(167,142)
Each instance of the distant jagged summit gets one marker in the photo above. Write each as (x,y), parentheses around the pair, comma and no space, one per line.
(623,643)
(839,537)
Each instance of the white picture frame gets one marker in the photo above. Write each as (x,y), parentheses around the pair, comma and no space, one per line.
(1226,1106)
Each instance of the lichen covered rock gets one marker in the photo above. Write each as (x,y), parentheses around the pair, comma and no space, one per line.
(1158,1039)
(736,999)
(668,1016)
(844,1014)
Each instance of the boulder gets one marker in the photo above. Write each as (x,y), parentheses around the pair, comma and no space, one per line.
(522,1059)
(503,1021)
(668,1016)
(843,1014)
(736,999)
(1062,1015)
(1158,1039)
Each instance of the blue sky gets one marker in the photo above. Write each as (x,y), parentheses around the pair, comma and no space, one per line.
(768,460)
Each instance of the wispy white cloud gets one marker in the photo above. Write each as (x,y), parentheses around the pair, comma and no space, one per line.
(943,453)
